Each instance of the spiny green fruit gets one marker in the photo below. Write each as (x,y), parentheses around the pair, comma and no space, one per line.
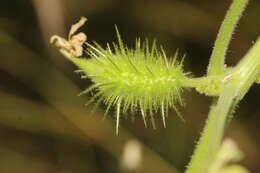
(140,79)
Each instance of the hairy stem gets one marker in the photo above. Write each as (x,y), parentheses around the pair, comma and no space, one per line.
(248,69)
(209,85)
(213,132)
(217,59)
(235,88)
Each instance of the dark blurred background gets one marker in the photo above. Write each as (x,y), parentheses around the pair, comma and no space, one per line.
(44,125)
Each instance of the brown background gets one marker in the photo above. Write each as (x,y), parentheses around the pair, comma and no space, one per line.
(44,126)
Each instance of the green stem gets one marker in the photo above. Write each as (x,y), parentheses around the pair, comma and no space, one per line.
(235,87)
(196,82)
(217,59)
(248,69)
(212,134)
(209,86)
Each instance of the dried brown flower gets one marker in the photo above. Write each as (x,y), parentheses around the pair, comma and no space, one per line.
(75,41)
